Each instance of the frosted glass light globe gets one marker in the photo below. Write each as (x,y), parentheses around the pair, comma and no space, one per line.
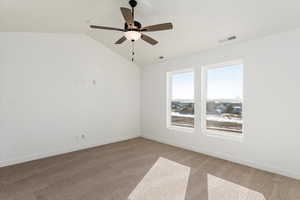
(132,35)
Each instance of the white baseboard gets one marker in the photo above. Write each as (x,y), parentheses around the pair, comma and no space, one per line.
(223,156)
(60,151)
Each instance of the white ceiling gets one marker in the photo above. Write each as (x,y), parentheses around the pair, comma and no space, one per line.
(198,24)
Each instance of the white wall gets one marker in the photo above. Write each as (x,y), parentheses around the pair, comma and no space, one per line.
(48,98)
(271,98)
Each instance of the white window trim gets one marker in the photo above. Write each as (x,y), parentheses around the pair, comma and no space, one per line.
(169,100)
(215,133)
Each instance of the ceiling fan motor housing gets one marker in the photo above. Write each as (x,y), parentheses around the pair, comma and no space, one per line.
(137,25)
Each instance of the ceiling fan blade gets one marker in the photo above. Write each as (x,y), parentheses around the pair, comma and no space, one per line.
(158,27)
(127,14)
(121,40)
(148,39)
(107,28)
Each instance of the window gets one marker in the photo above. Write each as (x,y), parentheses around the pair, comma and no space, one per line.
(181,99)
(222,98)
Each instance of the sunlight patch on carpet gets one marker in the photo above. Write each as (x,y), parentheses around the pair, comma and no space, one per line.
(166,180)
(222,189)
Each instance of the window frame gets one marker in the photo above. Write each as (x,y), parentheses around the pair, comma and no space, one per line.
(169,100)
(218,133)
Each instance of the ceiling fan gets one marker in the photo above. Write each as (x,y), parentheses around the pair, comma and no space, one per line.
(133,30)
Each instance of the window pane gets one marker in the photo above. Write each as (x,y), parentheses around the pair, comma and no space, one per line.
(182,99)
(225,99)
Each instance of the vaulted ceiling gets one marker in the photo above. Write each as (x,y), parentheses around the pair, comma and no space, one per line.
(198,24)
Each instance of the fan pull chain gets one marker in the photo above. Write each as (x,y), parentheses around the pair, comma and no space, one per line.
(133,54)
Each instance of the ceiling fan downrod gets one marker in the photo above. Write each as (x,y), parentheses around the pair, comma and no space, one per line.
(133,4)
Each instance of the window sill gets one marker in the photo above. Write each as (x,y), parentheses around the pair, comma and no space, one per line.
(181,129)
(237,137)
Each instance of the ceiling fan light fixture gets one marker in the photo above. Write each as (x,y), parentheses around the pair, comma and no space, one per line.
(132,35)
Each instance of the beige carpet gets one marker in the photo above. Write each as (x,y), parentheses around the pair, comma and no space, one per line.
(220,189)
(166,180)
(141,169)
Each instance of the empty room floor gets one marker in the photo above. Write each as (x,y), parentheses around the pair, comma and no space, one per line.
(126,169)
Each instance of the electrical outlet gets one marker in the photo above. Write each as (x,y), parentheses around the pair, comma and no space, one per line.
(83,136)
